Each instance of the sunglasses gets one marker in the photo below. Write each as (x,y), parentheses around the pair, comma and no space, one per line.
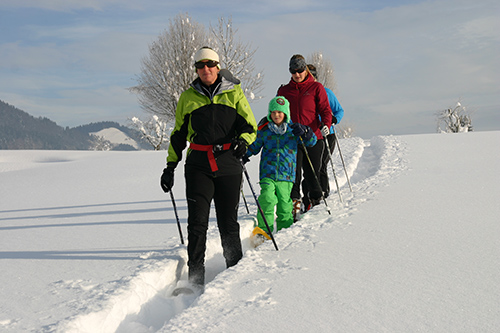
(299,70)
(209,64)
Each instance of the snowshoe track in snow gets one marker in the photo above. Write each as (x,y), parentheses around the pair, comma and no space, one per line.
(144,302)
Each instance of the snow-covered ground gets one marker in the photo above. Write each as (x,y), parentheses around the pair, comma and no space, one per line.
(89,243)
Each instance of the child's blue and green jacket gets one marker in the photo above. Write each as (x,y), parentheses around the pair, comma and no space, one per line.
(279,152)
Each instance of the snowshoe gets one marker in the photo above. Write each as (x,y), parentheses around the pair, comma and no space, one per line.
(187,288)
(258,237)
(182,291)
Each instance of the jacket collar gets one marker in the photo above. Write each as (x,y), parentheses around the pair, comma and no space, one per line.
(221,84)
(309,79)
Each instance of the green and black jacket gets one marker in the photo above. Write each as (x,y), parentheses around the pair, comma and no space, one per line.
(214,116)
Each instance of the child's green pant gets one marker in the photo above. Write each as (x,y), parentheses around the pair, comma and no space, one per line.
(275,194)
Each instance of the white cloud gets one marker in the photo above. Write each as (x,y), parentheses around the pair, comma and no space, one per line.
(395,64)
(17,56)
(65,5)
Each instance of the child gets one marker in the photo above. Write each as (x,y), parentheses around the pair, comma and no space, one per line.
(278,138)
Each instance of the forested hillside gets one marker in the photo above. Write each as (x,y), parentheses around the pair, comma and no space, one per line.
(20,130)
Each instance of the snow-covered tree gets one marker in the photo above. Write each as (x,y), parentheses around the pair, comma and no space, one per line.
(237,57)
(99,143)
(168,69)
(324,70)
(325,76)
(344,130)
(154,131)
(454,120)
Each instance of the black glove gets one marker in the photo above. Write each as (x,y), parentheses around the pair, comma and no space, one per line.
(308,133)
(167,179)
(334,120)
(298,129)
(239,148)
(302,130)
(245,159)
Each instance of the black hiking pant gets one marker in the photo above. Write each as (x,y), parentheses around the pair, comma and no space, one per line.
(323,175)
(201,188)
(310,187)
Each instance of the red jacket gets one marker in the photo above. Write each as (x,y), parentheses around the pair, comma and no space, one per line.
(308,102)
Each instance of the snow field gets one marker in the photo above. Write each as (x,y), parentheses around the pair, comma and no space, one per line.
(89,243)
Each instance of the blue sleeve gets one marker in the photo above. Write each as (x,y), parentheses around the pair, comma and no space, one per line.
(337,110)
(256,146)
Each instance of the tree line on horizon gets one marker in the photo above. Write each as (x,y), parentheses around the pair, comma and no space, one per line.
(20,130)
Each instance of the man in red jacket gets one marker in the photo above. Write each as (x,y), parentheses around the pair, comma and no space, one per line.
(308,102)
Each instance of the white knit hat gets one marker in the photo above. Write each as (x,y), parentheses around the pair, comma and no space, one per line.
(206,53)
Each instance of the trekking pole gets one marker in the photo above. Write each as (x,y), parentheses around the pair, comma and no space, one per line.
(333,169)
(244,199)
(314,172)
(258,205)
(342,158)
(176,216)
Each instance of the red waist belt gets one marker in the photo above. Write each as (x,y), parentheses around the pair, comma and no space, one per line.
(210,149)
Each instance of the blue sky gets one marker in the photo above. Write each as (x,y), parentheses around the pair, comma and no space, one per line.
(396,62)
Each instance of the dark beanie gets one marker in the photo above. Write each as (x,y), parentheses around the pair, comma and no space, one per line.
(297,63)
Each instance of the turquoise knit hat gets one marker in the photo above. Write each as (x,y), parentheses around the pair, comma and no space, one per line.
(279,103)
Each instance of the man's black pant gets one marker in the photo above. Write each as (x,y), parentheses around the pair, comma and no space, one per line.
(225,191)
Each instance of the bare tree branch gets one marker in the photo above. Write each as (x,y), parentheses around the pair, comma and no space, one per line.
(324,68)
(155,131)
(165,72)
(237,57)
(454,120)
(168,68)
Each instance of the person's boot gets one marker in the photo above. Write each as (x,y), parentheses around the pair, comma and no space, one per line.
(296,210)
(315,202)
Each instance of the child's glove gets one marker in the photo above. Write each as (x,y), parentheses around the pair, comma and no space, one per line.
(301,130)
(298,129)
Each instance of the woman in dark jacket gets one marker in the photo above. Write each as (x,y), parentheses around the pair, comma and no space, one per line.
(308,102)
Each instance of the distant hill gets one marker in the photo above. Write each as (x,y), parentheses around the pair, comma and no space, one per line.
(110,131)
(20,130)
(117,137)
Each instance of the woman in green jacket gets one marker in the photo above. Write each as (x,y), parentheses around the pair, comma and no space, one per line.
(214,116)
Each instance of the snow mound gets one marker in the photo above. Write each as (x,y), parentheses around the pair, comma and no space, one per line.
(116,137)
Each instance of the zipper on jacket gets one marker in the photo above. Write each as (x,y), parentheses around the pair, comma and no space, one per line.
(277,157)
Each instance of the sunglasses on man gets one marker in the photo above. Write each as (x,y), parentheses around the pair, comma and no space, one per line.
(298,70)
(209,64)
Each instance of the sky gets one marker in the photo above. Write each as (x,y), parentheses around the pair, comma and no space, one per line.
(413,248)
(396,63)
